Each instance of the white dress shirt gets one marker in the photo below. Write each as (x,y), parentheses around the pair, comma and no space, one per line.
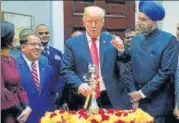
(29,63)
(102,86)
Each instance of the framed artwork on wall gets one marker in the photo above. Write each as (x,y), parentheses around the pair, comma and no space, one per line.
(20,21)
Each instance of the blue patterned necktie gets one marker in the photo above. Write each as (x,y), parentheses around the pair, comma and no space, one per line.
(46,52)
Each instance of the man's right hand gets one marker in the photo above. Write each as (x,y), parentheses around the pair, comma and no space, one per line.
(24,115)
(84,89)
(176,112)
(118,43)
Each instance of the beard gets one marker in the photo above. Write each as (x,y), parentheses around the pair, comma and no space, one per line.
(144,29)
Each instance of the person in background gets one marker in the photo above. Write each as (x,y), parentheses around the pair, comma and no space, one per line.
(125,71)
(93,47)
(16,51)
(36,76)
(177,33)
(14,102)
(176,110)
(76,33)
(54,59)
(128,34)
(154,55)
(69,95)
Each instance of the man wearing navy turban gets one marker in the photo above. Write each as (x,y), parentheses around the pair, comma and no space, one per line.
(153,56)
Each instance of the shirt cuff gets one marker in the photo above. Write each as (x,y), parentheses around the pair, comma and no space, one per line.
(142,94)
(120,51)
(78,89)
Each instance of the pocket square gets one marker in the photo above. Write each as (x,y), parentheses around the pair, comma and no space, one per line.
(57,57)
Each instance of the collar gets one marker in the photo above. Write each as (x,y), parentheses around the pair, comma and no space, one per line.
(89,38)
(43,47)
(153,33)
(28,61)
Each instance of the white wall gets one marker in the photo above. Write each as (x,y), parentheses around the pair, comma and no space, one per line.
(44,12)
(172,16)
(58,24)
(40,10)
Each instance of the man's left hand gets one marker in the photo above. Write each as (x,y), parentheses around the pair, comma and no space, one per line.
(135,105)
(135,96)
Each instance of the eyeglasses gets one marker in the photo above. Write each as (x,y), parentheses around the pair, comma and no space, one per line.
(41,33)
(34,44)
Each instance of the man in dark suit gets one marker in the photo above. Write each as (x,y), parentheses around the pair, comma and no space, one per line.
(93,47)
(36,76)
(125,71)
(153,56)
(176,110)
(54,58)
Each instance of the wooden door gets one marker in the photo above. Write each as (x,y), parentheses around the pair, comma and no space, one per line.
(120,14)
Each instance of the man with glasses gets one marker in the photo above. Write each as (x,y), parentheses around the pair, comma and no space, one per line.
(54,59)
(36,76)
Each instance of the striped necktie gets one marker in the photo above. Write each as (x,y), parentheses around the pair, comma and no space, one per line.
(35,75)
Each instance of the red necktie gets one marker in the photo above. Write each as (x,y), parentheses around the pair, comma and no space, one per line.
(35,75)
(95,60)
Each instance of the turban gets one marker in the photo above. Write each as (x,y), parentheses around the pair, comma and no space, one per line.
(152,9)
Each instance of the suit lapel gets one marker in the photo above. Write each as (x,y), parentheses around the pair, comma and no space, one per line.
(51,55)
(102,49)
(27,73)
(86,49)
(42,75)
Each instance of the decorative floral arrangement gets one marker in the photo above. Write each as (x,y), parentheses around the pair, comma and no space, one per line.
(99,116)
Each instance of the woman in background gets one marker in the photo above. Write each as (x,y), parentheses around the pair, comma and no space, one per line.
(14,103)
